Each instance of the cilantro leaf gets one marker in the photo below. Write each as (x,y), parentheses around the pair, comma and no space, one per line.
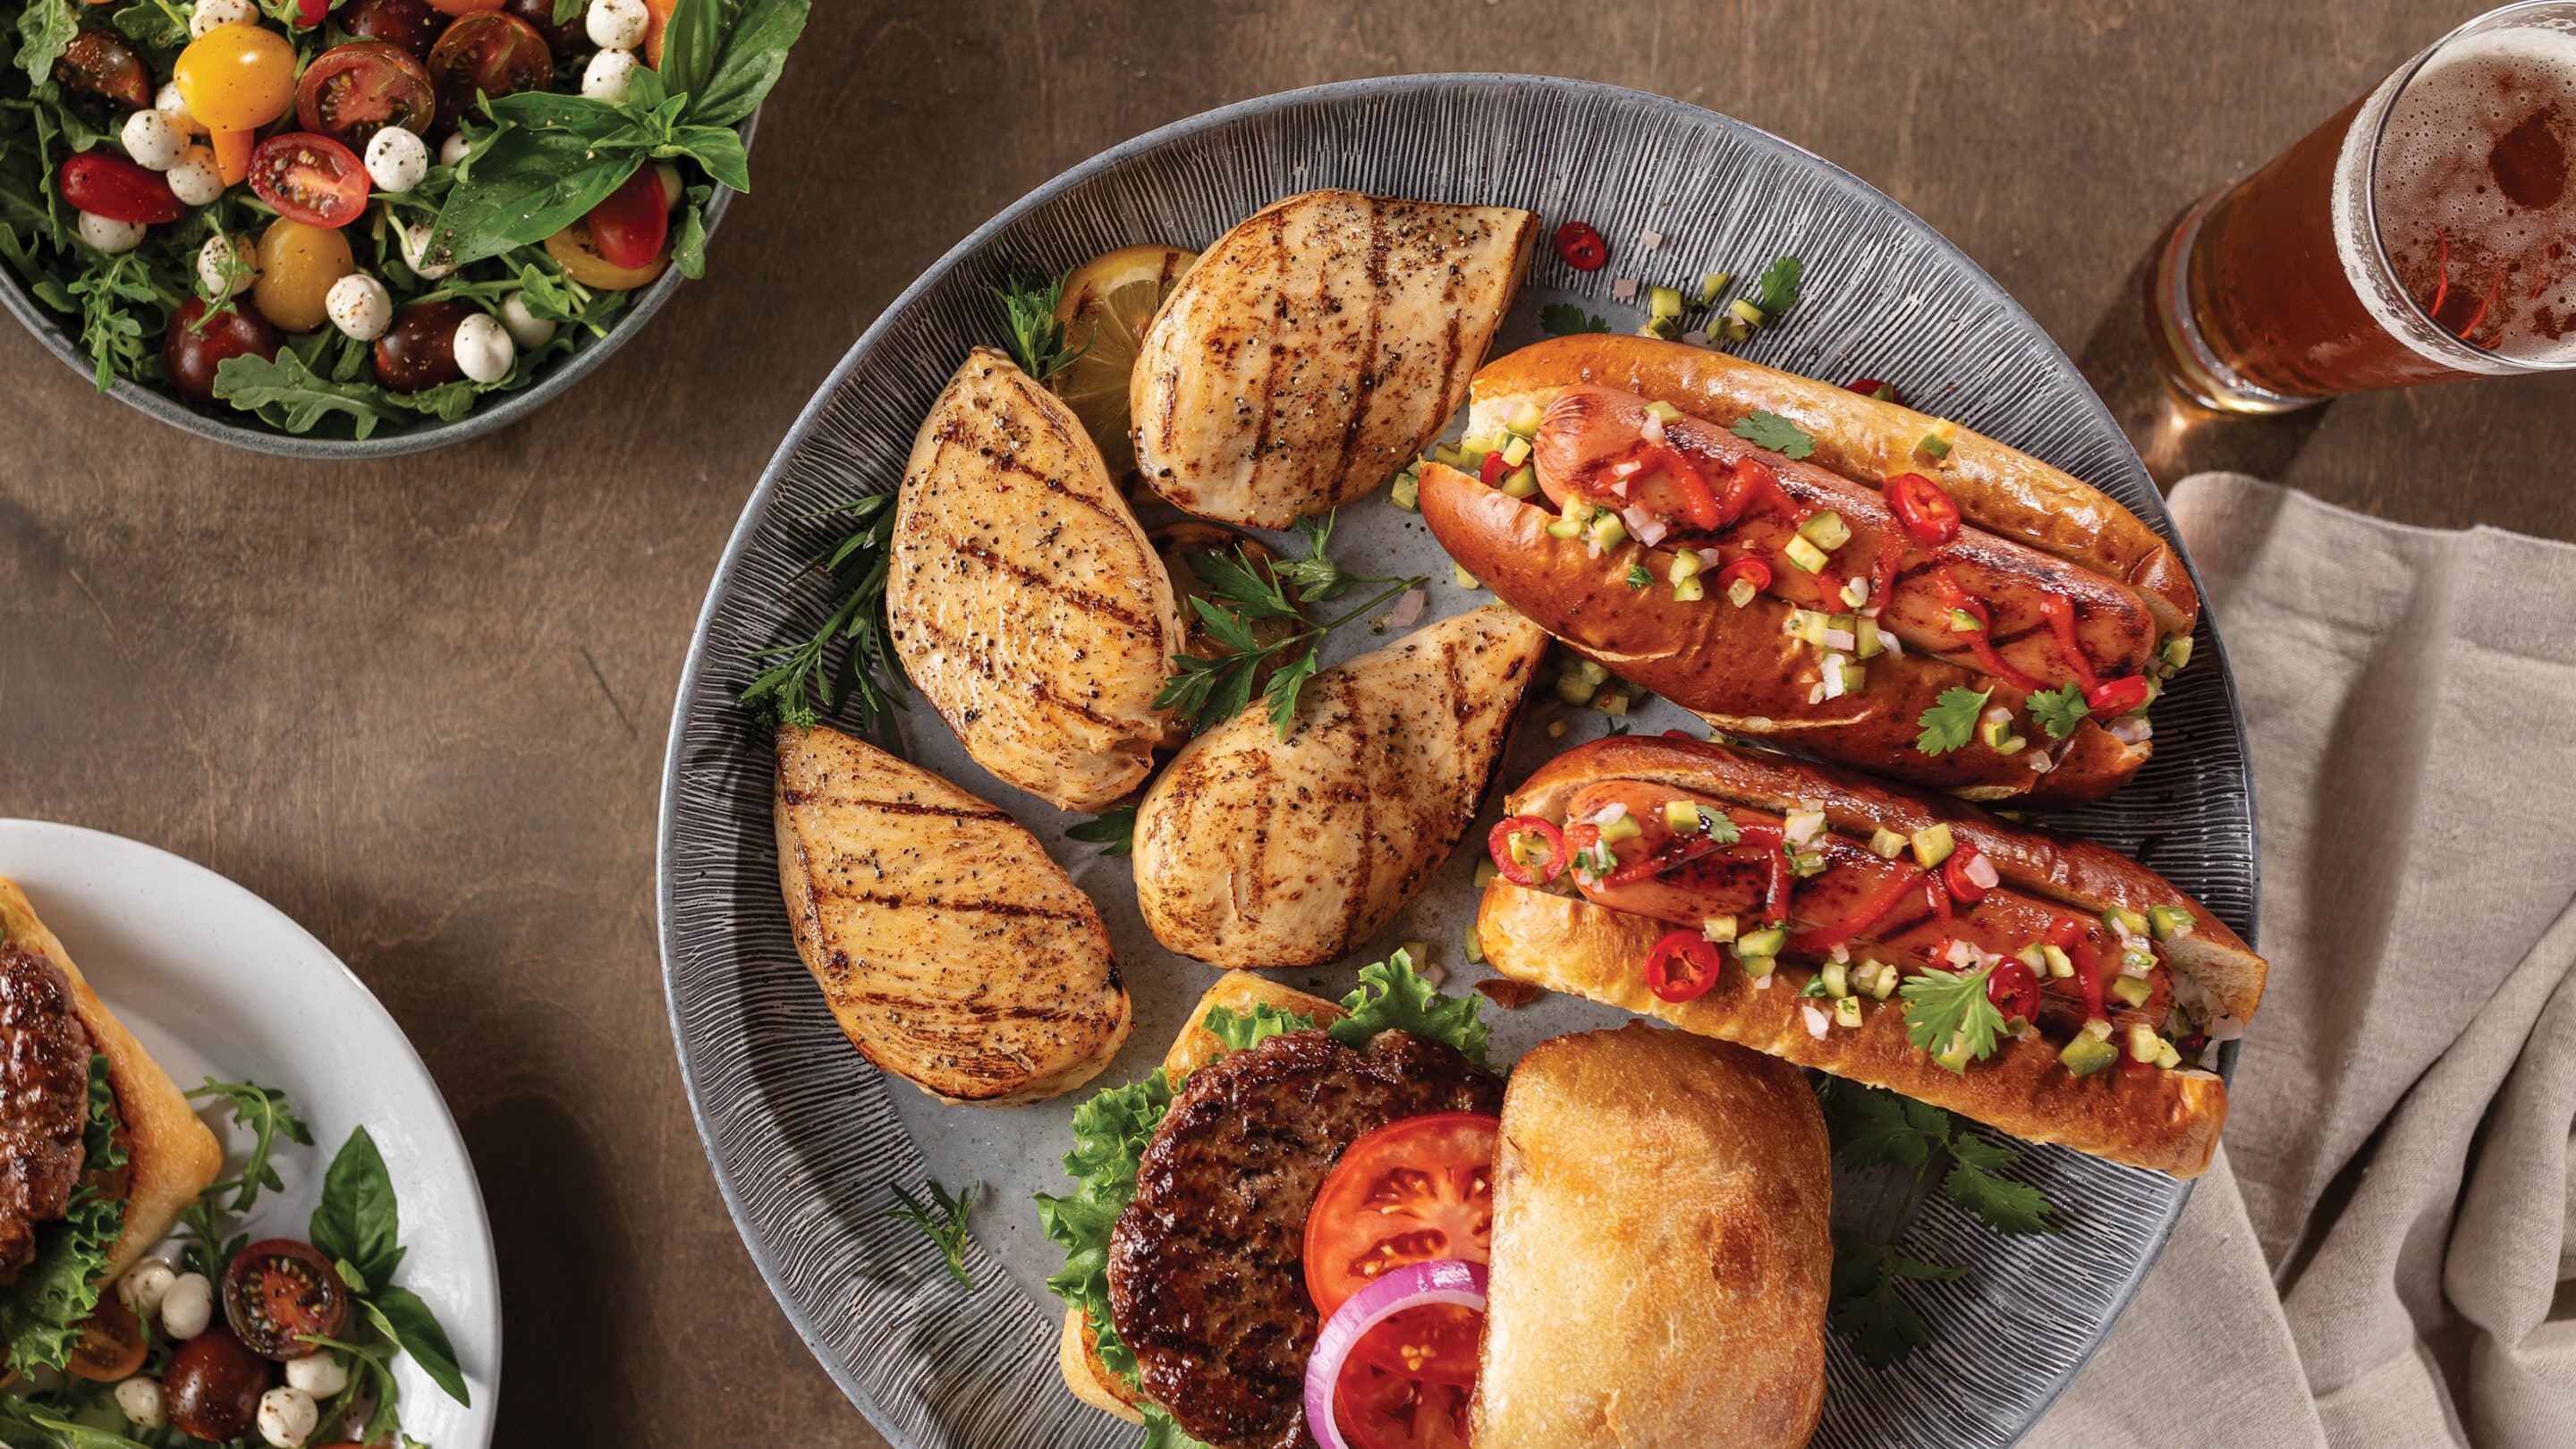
(1242,1033)
(1952,720)
(2059,711)
(1946,1006)
(1867,1310)
(1719,826)
(1874,1128)
(1777,292)
(1114,831)
(1772,431)
(2007,1207)
(1392,997)
(1564,319)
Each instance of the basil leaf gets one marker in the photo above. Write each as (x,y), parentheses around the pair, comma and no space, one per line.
(356,1218)
(692,43)
(401,1316)
(534,182)
(689,249)
(753,56)
(567,11)
(716,148)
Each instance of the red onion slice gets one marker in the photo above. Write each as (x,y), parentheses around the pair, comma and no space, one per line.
(1442,1280)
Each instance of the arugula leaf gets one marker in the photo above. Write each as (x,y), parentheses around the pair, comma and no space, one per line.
(1952,720)
(1392,997)
(1777,292)
(2059,711)
(45,31)
(357,1219)
(1243,1033)
(754,54)
(1564,319)
(156,23)
(1114,831)
(1772,431)
(266,1112)
(400,1315)
(1943,1007)
(42,1308)
(286,394)
(2007,1207)
(943,1218)
(1109,1136)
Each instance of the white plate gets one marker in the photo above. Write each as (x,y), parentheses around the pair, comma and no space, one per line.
(219,983)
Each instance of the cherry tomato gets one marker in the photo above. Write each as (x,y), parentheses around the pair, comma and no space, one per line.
(297,265)
(1923,509)
(192,355)
(279,1292)
(1580,247)
(419,350)
(465,7)
(309,13)
(1874,387)
(498,55)
(1376,1409)
(1954,874)
(111,1343)
(1682,967)
(352,91)
(410,24)
(115,188)
(311,179)
(1412,1191)
(659,13)
(629,228)
(213,1386)
(2114,697)
(563,40)
(2014,990)
(101,63)
(1498,844)
(579,256)
(237,77)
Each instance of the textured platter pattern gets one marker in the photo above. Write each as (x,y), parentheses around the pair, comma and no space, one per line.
(806,1139)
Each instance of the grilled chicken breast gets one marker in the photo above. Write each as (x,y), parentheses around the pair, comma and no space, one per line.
(1318,346)
(1254,853)
(954,953)
(1023,597)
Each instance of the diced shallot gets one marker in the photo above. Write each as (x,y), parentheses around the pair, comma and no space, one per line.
(1961,953)
(2132,732)
(1610,813)
(1817,1021)
(1645,527)
(1653,428)
(1409,608)
(1982,871)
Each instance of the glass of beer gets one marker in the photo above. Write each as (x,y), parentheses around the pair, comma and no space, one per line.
(2426,232)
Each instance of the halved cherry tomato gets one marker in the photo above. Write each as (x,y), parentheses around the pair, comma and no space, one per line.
(419,351)
(495,54)
(110,186)
(2014,990)
(1415,1190)
(279,1292)
(1376,1409)
(1874,387)
(1580,247)
(629,228)
(352,91)
(311,179)
(2113,697)
(466,7)
(111,1343)
(1926,513)
(101,63)
(1498,844)
(1954,874)
(1682,967)
(579,256)
(407,23)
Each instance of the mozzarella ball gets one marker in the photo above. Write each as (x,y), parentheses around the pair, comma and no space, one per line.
(188,1306)
(288,1417)
(617,24)
(212,14)
(318,1374)
(484,349)
(139,1399)
(143,1284)
(169,102)
(360,306)
(110,235)
(224,275)
(526,328)
(605,78)
(153,141)
(195,180)
(453,149)
(397,159)
(415,250)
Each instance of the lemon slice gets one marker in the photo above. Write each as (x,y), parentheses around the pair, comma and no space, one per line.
(1108,303)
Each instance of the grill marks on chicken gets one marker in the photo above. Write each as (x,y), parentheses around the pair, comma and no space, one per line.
(951,950)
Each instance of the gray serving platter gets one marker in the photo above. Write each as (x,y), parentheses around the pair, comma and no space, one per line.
(807,1141)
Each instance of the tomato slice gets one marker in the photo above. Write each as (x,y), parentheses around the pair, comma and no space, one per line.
(311,179)
(111,1345)
(279,1291)
(113,187)
(1415,1190)
(1923,509)
(628,229)
(1379,1409)
(353,91)
(494,54)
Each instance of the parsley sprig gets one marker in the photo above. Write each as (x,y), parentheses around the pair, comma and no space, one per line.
(796,682)
(1204,691)
(943,1218)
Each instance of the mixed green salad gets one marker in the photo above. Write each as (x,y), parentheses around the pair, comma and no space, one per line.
(364,213)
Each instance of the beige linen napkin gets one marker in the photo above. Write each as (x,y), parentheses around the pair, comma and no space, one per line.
(2385,1252)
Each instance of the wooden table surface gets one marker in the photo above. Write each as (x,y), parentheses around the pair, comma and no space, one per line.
(421,704)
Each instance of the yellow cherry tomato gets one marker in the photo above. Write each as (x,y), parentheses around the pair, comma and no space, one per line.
(297,265)
(582,262)
(237,77)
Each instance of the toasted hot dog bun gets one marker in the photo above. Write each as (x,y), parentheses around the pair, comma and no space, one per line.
(2166,1119)
(1239,991)
(1667,1199)
(171,1157)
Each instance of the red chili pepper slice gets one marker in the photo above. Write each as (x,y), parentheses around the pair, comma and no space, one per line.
(1580,247)
(2114,697)
(1873,387)
(1980,642)
(1752,570)
(1493,470)
(1923,509)
(2014,990)
(1698,966)
(1499,846)
(1954,874)
(1863,916)
(2060,613)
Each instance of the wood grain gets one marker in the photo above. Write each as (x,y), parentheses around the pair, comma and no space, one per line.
(421,705)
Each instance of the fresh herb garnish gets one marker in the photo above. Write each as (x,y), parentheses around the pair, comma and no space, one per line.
(1114,831)
(1638,578)
(264,1110)
(1951,720)
(943,1218)
(1772,431)
(357,1225)
(45,31)
(1037,339)
(797,682)
(1205,691)
(1777,291)
(2059,711)
(1949,1014)
(1564,319)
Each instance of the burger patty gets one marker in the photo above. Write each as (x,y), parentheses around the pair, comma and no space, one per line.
(44,1101)
(1207,1280)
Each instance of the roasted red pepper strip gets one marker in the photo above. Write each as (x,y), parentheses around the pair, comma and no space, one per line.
(1663,858)
(2060,613)
(1863,916)
(2074,938)
(1699,500)
(1698,961)
(1499,846)
(1979,641)
(1882,572)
